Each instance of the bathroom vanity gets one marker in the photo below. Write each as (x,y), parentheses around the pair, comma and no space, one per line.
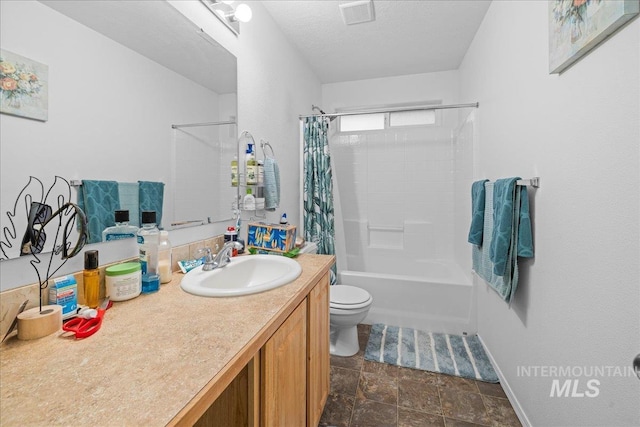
(172,358)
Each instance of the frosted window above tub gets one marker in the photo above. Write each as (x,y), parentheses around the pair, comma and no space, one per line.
(381,121)
(412,118)
(360,122)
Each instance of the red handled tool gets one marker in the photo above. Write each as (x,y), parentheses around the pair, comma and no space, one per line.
(83,328)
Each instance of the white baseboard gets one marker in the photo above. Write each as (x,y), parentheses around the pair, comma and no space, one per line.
(507,389)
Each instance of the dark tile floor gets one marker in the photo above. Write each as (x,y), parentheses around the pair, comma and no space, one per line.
(371,394)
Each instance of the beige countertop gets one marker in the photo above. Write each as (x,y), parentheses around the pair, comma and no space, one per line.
(153,358)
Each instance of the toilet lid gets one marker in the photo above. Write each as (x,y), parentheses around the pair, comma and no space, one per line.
(345,296)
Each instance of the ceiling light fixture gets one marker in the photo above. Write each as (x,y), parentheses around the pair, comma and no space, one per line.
(229,15)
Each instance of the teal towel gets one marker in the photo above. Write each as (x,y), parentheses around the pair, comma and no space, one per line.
(505,285)
(477,212)
(525,233)
(511,224)
(98,200)
(151,199)
(129,193)
(271,184)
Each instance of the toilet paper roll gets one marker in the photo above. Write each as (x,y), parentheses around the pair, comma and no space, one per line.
(34,323)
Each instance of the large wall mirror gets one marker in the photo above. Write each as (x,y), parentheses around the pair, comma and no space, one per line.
(126,80)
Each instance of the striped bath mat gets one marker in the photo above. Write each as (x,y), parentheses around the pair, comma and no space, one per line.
(462,356)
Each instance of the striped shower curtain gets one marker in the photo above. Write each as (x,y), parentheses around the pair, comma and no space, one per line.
(318,186)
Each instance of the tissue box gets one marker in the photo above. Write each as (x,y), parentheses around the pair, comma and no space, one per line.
(271,237)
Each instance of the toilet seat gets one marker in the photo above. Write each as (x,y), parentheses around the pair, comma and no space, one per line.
(346,297)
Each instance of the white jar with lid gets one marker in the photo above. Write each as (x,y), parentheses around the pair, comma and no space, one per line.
(123,281)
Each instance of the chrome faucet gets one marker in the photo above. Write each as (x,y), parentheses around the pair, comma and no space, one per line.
(222,258)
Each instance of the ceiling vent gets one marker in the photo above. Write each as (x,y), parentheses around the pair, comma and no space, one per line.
(357,12)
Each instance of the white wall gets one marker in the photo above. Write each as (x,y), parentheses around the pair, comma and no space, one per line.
(578,301)
(412,88)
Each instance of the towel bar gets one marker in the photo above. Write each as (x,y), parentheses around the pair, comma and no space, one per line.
(533,182)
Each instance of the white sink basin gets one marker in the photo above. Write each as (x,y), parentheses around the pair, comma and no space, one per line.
(242,276)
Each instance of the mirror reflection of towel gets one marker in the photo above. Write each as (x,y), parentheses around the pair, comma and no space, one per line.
(99,200)
(130,200)
(151,196)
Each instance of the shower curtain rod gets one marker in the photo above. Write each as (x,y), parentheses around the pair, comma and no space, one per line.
(190,125)
(392,110)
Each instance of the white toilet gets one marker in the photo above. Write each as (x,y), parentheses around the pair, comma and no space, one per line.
(348,306)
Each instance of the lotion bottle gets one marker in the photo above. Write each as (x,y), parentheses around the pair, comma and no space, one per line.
(251,166)
(249,202)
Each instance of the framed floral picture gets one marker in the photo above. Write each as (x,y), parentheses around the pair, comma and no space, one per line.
(23,86)
(577,26)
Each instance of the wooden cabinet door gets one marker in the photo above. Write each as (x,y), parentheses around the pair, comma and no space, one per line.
(318,351)
(284,373)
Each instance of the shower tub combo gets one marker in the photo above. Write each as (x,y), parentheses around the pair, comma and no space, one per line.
(402,207)
(427,295)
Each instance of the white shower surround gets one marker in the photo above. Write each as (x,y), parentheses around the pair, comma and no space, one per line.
(399,193)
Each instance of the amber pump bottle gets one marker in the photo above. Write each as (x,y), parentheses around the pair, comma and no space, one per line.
(91,279)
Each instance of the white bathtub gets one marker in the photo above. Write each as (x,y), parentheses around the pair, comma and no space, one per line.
(430,296)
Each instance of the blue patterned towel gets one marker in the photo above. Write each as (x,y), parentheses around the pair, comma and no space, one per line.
(151,199)
(98,200)
(511,224)
(505,285)
(477,212)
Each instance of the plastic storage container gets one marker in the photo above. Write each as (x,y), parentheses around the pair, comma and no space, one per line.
(123,281)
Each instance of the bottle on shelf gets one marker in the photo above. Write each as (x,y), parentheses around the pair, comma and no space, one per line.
(164,257)
(231,235)
(122,229)
(234,171)
(148,238)
(251,166)
(260,179)
(249,201)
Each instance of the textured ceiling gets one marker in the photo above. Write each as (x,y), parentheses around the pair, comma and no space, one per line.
(407,37)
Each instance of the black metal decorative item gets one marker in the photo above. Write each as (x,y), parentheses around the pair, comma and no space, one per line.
(40,214)
(34,188)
